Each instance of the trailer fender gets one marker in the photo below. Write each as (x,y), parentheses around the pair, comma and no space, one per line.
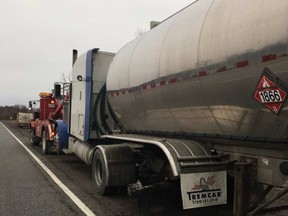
(62,133)
(182,155)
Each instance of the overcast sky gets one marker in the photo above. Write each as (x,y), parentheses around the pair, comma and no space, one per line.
(37,37)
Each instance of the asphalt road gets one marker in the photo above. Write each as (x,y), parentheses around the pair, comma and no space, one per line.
(26,189)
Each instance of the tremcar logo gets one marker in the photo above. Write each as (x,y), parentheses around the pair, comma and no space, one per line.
(203,189)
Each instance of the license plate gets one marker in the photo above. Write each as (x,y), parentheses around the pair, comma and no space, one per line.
(203,189)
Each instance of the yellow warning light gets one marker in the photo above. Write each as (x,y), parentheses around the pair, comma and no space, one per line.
(45,94)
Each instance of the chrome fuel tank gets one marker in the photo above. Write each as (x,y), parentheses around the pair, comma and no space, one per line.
(197,71)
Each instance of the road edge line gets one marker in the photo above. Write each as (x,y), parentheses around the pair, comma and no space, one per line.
(60,184)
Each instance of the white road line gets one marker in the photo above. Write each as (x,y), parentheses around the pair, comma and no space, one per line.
(66,190)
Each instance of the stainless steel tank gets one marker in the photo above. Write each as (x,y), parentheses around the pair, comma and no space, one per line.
(197,71)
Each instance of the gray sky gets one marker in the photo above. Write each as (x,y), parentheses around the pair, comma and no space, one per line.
(37,37)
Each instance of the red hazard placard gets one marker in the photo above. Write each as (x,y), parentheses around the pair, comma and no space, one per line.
(270,94)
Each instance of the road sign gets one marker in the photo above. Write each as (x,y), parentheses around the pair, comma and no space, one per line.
(270,91)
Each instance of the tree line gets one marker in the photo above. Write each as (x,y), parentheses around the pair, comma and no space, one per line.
(10,112)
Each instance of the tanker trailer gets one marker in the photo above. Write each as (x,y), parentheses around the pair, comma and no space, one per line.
(201,93)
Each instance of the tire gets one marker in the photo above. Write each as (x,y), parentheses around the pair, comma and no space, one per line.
(57,143)
(33,139)
(45,144)
(100,173)
(59,151)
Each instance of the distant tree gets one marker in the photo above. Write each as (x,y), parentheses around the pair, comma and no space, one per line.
(66,77)
(21,108)
(10,112)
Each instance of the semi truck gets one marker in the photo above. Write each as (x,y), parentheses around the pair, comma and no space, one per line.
(196,101)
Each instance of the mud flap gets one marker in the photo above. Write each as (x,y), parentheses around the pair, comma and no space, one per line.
(204,189)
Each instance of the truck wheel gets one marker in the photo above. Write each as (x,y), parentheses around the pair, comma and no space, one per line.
(59,150)
(57,143)
(100,173)
(113,167)
(45,144)
(33,139)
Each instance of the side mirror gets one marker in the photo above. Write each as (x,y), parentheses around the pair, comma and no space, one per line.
(57,90)
(30,105)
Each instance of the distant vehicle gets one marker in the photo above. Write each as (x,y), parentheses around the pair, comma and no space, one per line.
(24,119)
